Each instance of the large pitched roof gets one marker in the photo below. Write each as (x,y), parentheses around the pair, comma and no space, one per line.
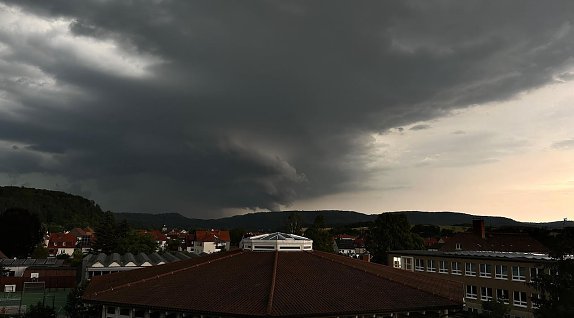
(244,283)
(2,255)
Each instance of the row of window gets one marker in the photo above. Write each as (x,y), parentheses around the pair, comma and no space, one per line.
(470,269)
(519,298)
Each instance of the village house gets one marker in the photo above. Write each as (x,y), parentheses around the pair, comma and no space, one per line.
(61,243)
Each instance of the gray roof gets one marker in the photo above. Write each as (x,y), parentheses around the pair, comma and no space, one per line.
(141,258)
(516,256)
(31,262)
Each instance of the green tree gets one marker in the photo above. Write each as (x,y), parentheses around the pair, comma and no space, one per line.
(40,311)
(135,242)
(322,239)
(495,309)
(20,232)
(40,252)
(391,231)
(236,235)
(75,307)
(555,283)
(106,238)
(426,230)
(173,244)
(77,257)
(294,223)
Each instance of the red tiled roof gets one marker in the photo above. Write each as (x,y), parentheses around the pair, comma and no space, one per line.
(78,232)
(212,236)
(498,242)
(157,235)
(275,284)
(2,255)
(63,237)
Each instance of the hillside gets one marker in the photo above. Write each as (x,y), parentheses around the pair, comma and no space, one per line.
(271,221)
(52,207)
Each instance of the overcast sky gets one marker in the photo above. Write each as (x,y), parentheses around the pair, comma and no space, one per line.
(213,108)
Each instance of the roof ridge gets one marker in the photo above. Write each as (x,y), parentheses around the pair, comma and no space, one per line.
(170,272)
(272,289)
(399,281)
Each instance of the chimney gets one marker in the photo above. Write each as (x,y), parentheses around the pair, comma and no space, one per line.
(366,257)
(478,227)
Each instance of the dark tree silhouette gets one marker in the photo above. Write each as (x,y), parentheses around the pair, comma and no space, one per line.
(322,239)
(106,240)
(391,231)
(20,231)
(556,282)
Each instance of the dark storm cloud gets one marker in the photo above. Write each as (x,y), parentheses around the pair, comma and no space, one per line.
(420,127)
(257,104)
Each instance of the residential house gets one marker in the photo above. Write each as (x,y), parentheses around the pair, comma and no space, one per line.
(84,238)
(349,245)
(211,241)
(159,237)
(273,282)
(61,243)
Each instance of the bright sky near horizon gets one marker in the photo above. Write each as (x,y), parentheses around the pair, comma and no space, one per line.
(217,108)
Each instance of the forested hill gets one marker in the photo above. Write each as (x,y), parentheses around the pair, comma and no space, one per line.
(271,221)
(52,207)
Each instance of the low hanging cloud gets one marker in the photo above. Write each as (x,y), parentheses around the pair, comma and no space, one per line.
(198,107)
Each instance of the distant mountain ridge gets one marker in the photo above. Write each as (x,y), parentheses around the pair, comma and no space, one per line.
(67,210)
(272,221)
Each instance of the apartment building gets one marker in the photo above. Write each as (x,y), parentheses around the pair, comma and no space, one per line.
(492,267)
(487,276)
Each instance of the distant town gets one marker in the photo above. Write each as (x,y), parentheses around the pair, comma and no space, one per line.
(381,268)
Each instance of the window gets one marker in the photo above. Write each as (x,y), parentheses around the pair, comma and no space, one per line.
(124,311)
(443,267)
(9,288)
(471,292)
(519,299)
(455,269)
(408,263)
(502,294)
(469,269)
(63,243)
(431,266)
(419,264)
(501,272)
(485,270)
(458,246)
(518,273)
(396,262)
(485,294)
(139,313)
(111,310)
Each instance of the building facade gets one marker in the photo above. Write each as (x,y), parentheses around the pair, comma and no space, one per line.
(487,276)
